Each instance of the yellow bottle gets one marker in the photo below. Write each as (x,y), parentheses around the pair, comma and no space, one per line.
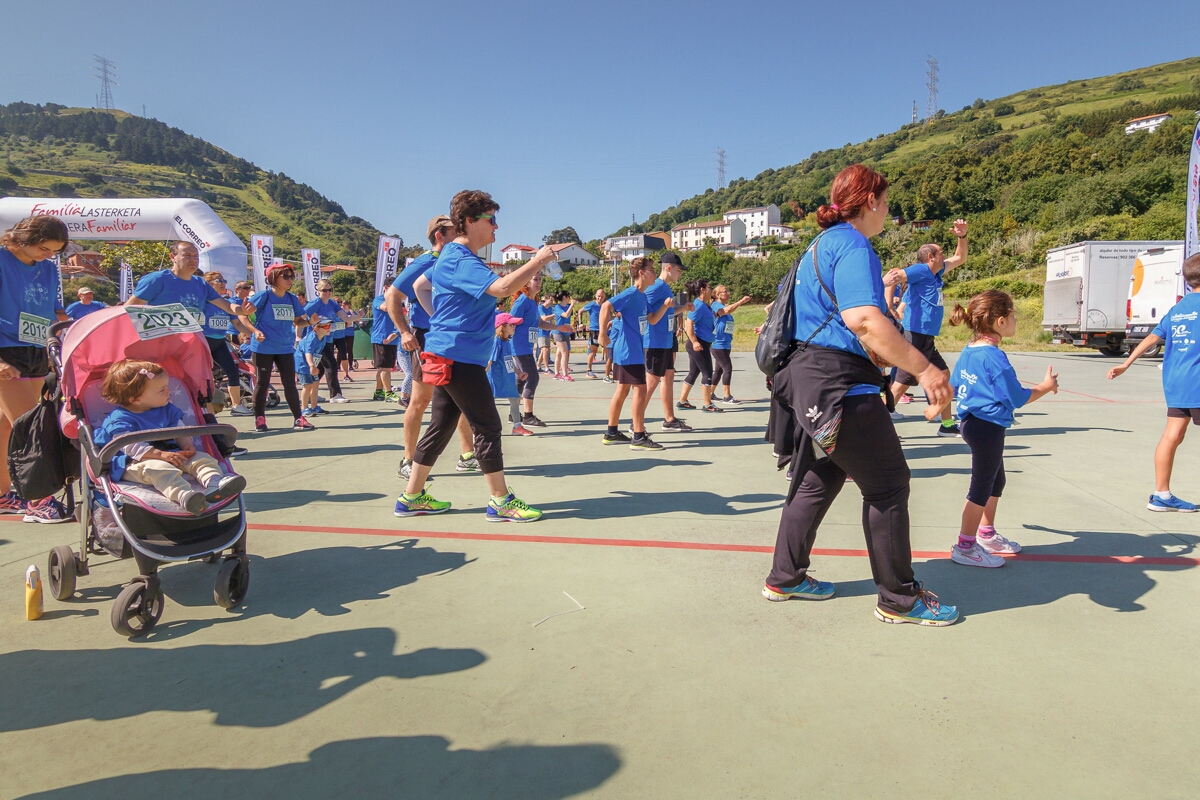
(33,593)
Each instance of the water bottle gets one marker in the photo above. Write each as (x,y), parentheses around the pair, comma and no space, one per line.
(552,271)
(33,593)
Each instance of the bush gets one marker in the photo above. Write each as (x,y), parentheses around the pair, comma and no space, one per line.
(7,184)
(1004,110)
(1128,84)
(62,189)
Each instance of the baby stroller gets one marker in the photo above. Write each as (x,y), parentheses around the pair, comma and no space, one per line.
(131,519)
(246,382)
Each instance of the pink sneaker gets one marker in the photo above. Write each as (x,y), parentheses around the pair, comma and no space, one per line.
(521,430)
(568,378)
(904,398)
(303,424)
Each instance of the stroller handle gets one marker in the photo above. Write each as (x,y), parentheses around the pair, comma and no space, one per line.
(54,341)
(106,454)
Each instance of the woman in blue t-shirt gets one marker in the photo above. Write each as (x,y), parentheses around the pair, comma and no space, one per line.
(217,327)
(460,293)
(723,343)
(830,388)
(700,327)
(30,302)
(562,338)
(280,315)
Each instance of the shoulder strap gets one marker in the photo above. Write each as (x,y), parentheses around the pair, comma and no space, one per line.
(825,322)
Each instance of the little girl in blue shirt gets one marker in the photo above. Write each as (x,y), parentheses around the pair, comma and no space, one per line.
(988,391)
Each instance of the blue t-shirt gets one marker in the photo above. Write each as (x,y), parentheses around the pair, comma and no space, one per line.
(309,343)
(703,321)
(853,273)
(627,332)
(592,309)
(464,314)
(163,288)
(924,310)
(562,315)
(121,420)
(1181,352)
(275,318)
(661,334)
(78,310)
(216,323)
(404,282)
(723,330)
(502,374)
(986,385)
(381,323)
(525,337)
(347,330)
(330,310)
(28,301)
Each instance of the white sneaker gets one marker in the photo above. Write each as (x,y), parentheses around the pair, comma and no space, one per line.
(896,415)
(241,411)
(997,544)
(975,557)
(337,398)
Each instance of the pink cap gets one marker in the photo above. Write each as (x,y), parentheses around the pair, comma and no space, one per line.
(504,318)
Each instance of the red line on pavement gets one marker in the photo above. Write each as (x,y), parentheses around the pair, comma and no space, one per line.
(1170,561)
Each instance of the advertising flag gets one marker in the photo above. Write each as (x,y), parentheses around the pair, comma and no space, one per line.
(1191,242)
(126,282)
(311,261)
(386,261)
(262,253)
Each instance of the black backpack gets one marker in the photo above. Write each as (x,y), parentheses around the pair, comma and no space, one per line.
(41,460)
(775,342)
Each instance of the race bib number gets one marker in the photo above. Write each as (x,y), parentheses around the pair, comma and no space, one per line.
(152,322)
(337,326)
(284,313)
(219,322)
(670,320)
(196,313)
(939,298)
(509,365)
(533,335)
(728,327)
(33,329)
(643,325)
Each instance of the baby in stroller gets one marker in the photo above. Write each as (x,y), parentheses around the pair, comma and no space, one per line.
(141,392)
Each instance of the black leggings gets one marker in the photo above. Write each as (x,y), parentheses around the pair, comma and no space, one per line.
(223,358)
(868,450)
(723,371)
(468,393)
(285,363)
(986,440)
(699,364)
(329,368)
(528,388)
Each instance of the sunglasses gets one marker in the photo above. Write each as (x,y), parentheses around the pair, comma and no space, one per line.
(324,291)
(490,218)
(288,275)
(219,280)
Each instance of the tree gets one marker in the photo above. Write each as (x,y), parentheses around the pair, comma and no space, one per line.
(565,235)
(144,257)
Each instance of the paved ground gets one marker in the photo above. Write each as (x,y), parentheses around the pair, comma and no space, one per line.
(422,658)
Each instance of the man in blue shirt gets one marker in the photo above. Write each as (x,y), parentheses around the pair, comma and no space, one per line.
(923,311)
(628,356)
(660,342)
(181,284)
(592,309)
(85,305)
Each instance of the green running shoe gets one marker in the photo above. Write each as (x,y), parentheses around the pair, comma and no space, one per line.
(421,505)
(511,510)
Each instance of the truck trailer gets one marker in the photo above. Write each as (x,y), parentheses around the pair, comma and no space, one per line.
(1087,286)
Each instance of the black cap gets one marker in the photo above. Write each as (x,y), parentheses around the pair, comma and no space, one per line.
(669,257)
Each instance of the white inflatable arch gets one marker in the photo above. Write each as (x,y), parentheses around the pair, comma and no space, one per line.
(159,219)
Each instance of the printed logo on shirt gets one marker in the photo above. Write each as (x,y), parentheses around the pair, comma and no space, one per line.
(968,377)
(1189,317)
(285,313)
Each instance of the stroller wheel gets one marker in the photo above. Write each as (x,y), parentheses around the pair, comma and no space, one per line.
(233,579)
(135,614)
(61,572)
(272,398)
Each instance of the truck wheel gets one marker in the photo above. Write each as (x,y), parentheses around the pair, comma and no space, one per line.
(1113,350)
(1154,351)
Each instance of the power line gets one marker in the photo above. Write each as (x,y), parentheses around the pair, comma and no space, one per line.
(931,104)
(720,168)
(106,71)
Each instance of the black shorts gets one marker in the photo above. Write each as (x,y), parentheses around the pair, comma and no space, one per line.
(383,356)
(593,338)
(344,348)
(30,360)
(631,374)
(926,346)
(415,358)
(1185,413)
(659,360)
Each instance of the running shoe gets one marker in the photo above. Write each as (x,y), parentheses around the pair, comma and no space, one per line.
(567,378)
(676,426)
(391,397)
(592,376)
(420,506)
(616,438)
(13,503)
(950,430)
(241,411)
(511,510)
(975,557)
(710,408)
(897,416)
(302,424)
(608,379)
(730,401)
(467,464)
(224,487)
(48,512)
(904,398)
(644,443)
(337,398)
(379,395)
(236,451)
(318,410)
(405,470)
(348,379)
(308,412)
(521,430)
(260,424)
(810,589)
(403,400)
(530,421)
(685,405)
(926,611)
(997,544)
(1172,503)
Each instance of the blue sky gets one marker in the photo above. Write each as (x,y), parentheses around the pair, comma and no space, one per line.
(569,113)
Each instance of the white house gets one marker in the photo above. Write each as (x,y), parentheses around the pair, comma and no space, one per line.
(574,255)
(1149,123)
(782,233)
(627,248)
(758,220)
(692,235)
(516,252)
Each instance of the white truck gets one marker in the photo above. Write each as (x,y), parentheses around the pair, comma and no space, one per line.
(1155,286)
(1087,286)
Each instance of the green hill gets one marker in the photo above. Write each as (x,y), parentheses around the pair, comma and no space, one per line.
(51,150)
(1034,170)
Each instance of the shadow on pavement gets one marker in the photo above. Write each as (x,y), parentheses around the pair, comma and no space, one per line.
(394,766)
(325,452)
(640,504)
(637,464)
(251,685)
(296,498)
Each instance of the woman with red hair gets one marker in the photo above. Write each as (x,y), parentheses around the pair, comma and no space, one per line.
(279,315)
(830,387)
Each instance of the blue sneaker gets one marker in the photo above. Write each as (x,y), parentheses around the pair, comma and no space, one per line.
(419,506)
(926,611)
(811,589)
(318,410)
(1172,503)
